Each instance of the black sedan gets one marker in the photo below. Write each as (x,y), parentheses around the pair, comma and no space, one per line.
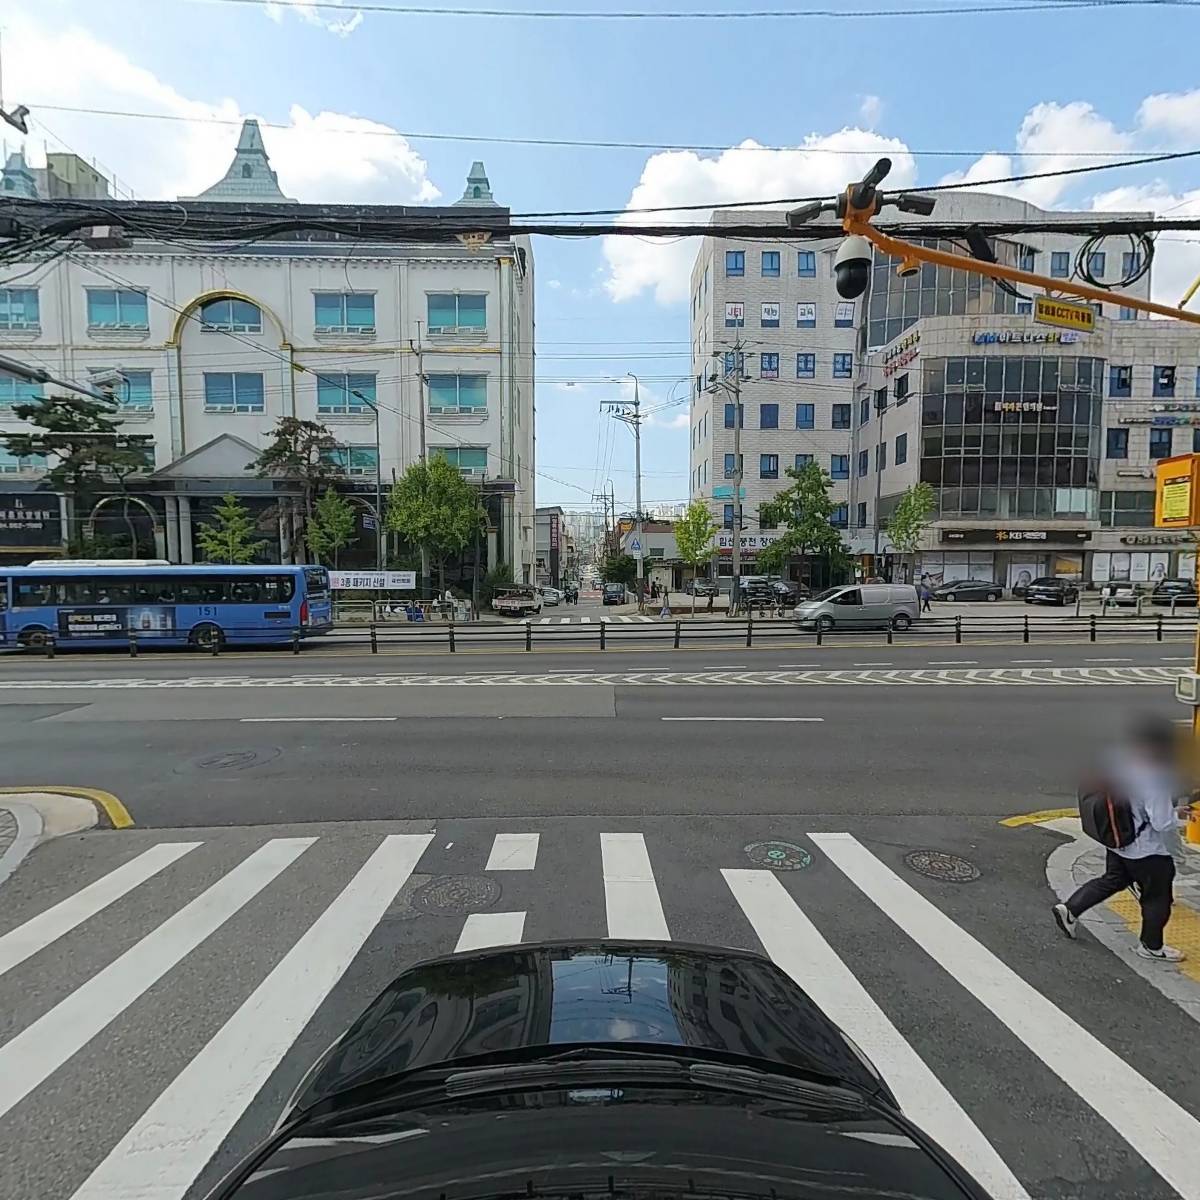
(968,589)
(445,1086)
(700,587)
(1177,591)
(1051,590)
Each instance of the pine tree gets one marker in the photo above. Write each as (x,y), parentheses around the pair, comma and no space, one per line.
(230,537)
(332,525)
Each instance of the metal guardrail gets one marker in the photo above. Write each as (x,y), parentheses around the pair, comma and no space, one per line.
(678,632)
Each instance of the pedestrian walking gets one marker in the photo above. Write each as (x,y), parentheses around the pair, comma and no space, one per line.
(1132,812)
(926,594)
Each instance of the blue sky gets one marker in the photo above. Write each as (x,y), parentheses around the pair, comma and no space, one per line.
(972,83)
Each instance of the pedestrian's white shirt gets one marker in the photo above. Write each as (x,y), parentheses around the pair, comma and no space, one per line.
(1151,793)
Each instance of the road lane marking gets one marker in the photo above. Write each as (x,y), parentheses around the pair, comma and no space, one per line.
(304,720)
(1029,661)
(36,934)
(796,946)
(631,898)
(1187,659)
(40,1049)
(1159,1129)
(873,664)
(797,666)
(953,662)
(481,930)
(571,671)
(817,720)
(585,620)
(177,1136)
(723,667)
(513,852)
(1108,660)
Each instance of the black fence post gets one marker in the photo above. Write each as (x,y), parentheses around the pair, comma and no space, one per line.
(133,649)
(296,640)
(603,622)
(749,628)
(215,642)
(818,633)
(889,631)
(679,623)
(452,637)
(1158,628)
(49,645)
(374,639)
(958,629)
(1025,637)
(528,635)
(1092,627)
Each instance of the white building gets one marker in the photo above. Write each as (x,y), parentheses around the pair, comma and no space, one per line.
(217,344)
(817,368)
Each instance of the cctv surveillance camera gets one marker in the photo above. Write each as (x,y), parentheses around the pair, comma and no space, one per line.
(852,267)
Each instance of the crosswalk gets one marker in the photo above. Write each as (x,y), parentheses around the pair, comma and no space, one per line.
(619,619)
(222,966)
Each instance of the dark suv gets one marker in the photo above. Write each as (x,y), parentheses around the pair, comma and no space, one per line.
(1180,591)
(614,593)
(1051,590)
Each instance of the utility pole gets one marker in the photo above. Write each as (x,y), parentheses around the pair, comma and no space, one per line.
(880,410)
(630,413)
(732,385)
(416,348)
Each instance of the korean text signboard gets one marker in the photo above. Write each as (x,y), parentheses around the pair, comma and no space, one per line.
(30,519)
(373,581)
(1067,316)
(1177,492)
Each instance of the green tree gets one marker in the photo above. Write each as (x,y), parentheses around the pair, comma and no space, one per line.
(230,537)
(910,518)
(802,511)
(620,568)
(300,453)
(693,538)
(84,436)
(332,525)
(497,577)
(434,508)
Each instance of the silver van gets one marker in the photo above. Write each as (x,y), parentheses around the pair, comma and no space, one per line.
(861,606)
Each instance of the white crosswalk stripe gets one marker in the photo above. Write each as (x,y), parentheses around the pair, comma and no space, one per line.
(166,1142)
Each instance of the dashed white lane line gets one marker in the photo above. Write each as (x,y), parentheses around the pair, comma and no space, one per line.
(797,666)
(807,720)
(873,664)
(1108,660)
(953,662)
(724,667)
(1029,662)
(570,671)
(310,720)
(1187,659)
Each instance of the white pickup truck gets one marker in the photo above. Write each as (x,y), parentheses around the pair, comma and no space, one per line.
(517,600)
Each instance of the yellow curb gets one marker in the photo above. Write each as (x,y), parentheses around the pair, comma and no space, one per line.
(1183,930)
(117,814)
(1040,818)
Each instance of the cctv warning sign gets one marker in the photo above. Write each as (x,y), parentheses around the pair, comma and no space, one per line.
(1066,316)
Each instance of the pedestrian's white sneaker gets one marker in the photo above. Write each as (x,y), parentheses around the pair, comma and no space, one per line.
(1066,921)
(1166,954)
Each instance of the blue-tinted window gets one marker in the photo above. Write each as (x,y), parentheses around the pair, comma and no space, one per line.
(344,312)
(735,262)
(862,514)
(770,263)
(17,391)
(117,308)
(1116,443)
(806,316)
(729,363)
(864,410)
(470,460)
(1131,264)
(1196,440)
(843,365)
(450,312)
(838,517)
(802,460)
(730,466)
(881,457)
(1096,262)
(768,316)
(229,315)
(901,449)
(864,462)
(806,366)
(843,314)
(768,366)
(840,416)
(1024,307)
(1125,313)
(134,393)
(768,416)
(768,466)
(806,264)
(19,308)
(727,516)
(1060,264)
(1026,259)
(11,464)
(839,466)
(335,393)
(236,392)
(1120,381)
(735,315)
(1164,382)
(1160,443)
(805,416)
(457,393)
(729,415)
(353,460)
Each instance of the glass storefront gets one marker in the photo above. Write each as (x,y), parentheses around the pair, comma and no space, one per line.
(895,303)
(1013,436)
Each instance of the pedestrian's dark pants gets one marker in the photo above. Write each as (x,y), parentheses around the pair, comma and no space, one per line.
(1153,874)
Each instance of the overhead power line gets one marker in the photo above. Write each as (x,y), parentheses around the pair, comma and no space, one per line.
(576,143)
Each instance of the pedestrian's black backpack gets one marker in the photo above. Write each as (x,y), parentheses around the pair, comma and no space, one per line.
(1107,815)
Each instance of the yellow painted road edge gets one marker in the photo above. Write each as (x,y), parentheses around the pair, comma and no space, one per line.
(1183,929)
(117,814)
(1040,818)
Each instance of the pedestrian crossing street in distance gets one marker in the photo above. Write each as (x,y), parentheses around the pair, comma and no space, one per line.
(157,1011)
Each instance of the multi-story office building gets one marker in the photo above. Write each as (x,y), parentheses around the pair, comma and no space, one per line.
(214,345)
(1045,441)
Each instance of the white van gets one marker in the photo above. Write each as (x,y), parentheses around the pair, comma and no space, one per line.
(861,606)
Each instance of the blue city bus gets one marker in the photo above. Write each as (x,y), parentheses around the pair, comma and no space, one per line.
(81,604)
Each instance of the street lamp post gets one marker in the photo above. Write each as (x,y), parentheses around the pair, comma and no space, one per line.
(378,479)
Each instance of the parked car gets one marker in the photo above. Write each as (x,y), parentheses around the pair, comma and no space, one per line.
(968,589)
(551,596)
(1050,589)
(1181,591)
(775,592)
(517,600)
(1121,593)
(700,587)
(614,593)
(861,606)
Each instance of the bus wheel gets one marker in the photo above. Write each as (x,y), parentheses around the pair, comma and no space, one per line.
(205,635)
(33,639)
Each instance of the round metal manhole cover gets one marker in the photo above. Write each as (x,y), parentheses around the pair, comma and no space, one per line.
(778,856)
(234,760)
(452,895)
(940,865)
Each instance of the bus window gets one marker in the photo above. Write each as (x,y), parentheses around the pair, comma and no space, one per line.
(317,580)
(201,589)
(244,591)
(33,593)
(147,590)
(277,589)
(3,594)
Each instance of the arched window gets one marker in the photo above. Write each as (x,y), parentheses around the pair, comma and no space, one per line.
(476,192)
(235,316)
(247,171)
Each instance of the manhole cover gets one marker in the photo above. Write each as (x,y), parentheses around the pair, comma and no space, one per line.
(451,895)
(778,856)
(234,760)
(938,864)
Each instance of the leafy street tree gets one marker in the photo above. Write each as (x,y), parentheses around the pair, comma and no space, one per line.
(909,519)
(230,537)
(693,538)
(332,526)
(435,509)
(620,568)
(299,453)
(802,511)
(84,436)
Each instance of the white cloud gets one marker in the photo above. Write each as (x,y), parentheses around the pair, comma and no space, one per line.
(1175,115)
(315,160)
(743,172)
(870,109)
(553,284)
(312,15)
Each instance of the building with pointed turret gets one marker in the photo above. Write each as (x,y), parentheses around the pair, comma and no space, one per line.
(216,345)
